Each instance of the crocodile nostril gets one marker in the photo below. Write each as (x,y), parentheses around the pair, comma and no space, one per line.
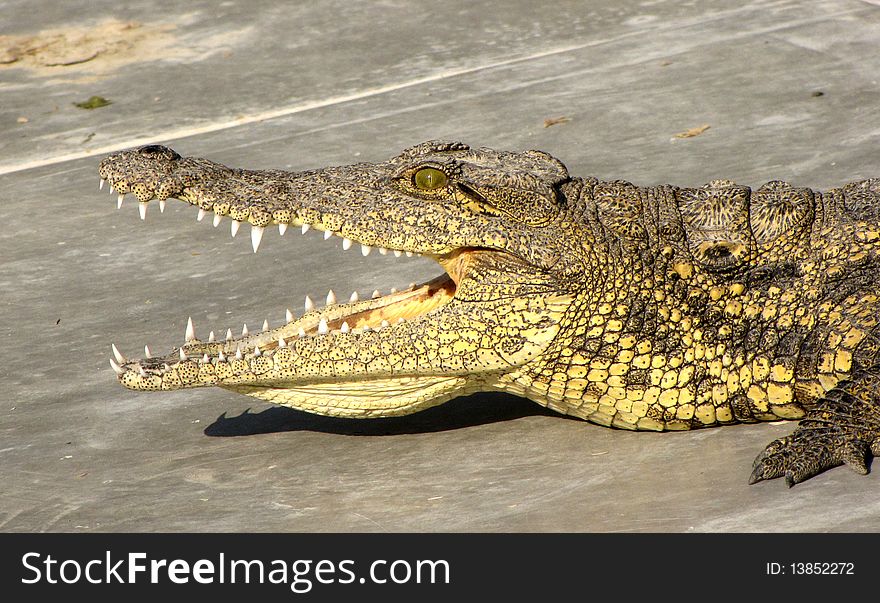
(160,151)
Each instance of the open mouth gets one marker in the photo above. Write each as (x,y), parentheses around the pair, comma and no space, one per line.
(469,329)
(351,318)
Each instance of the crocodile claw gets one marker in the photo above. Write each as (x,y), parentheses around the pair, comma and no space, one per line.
(808,452)
(843,429)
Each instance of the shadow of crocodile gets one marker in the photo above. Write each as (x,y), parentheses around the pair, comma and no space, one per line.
(469,411)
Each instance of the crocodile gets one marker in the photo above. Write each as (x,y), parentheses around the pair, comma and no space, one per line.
(642,308)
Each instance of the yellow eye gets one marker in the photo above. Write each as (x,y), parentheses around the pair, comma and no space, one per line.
(429,179)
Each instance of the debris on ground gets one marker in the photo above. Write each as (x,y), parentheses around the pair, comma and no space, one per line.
(94,102)
(552,121)
(692,132)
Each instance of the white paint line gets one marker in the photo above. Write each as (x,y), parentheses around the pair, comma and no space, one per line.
(168,135)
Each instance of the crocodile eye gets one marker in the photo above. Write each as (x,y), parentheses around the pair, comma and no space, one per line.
(429,179)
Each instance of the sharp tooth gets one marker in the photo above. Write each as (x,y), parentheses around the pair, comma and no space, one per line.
(309,304)
(142,210)
(354,297)
(229,336)
(238,354)
(282,228)
(119,200)
(147,352)
(233,229)
(305,228)
(376,294)
(266,325)
(301,332)
(409,254)
(383,251)
(345,328)
(256,237)
(190,330)
(142,371)
(327,234)
(282,343)
(397,253)
(385,323)
(393,290)
(331,298)
(322,327)
(289,315)
(257,351)
(346,244)
(119,357)
(101,186)
(244,330)
(183,355)
(365,250)
(221,356)
(412,285)
(162,205)
(111,189)
(217,218)
(211,337)
(367,329)
(205,359)
(202,214)
(400,320)
(119,370)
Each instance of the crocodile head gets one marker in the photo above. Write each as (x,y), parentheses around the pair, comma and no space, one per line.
(496,222)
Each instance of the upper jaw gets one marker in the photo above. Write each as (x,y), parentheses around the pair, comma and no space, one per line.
(263,199)
(359,203)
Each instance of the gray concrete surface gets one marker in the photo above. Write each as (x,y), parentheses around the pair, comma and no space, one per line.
(300,85)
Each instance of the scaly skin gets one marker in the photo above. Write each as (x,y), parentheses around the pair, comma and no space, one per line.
(639,308)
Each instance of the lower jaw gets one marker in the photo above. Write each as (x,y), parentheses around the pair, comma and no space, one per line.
(376,313)
(355,317)
(365,396)
(417,303)
(372,314)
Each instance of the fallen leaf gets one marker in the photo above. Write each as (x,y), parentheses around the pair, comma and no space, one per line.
(94,102)
(552,121)
(692,132)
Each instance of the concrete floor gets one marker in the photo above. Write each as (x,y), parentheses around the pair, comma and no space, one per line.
(789,89)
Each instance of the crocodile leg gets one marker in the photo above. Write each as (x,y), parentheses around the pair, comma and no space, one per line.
(843,428)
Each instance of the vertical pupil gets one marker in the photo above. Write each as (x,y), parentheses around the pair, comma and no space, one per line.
(430,178)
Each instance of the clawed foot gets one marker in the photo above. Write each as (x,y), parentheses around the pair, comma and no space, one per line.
(842,430)
(808,452)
